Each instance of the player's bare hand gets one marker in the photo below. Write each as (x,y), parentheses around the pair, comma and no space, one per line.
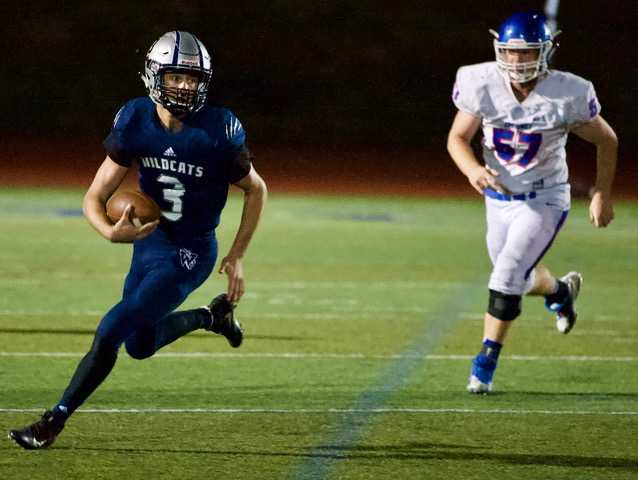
(234,270)
(483,177)
(124,231)
(601,209)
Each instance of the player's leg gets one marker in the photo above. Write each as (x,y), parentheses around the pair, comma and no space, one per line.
(498,216)
(217,317)
(161,293)
(89,374)
(531,230)
(494,329)
(118,324)
(560,295)
(91,371)
(169,288)
(95,366)
(173,272)
(502,310)
(544,283)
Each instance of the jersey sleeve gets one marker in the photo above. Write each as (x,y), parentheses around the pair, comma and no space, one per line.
(238,157)
(464,93)
(586,105)
(116,145)
(239,166)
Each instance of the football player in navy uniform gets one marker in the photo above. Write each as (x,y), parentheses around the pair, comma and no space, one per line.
(188,154)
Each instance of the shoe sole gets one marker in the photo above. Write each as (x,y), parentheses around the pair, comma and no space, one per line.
(18,439)
(241,336)
(476,387)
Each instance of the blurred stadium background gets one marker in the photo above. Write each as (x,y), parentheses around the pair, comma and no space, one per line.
(343,95)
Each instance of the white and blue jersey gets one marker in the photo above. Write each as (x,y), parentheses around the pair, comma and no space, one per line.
(187,172)
(525,141)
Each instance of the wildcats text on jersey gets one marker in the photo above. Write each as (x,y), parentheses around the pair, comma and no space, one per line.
(173,166)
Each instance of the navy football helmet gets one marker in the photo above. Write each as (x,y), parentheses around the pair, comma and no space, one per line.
(177,52)
(524,31)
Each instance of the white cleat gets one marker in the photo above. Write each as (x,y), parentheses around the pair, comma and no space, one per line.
(566,316)
(474,385)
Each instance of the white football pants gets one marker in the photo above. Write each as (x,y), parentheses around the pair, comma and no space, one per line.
(519,233)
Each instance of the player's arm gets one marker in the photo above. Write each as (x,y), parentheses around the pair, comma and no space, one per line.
(459,147)
(255,194)
(598,132)
(108,177)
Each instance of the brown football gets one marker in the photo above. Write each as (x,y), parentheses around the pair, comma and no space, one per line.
(144,208)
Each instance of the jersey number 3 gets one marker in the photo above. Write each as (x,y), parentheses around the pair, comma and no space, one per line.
(507,142)
(173,194)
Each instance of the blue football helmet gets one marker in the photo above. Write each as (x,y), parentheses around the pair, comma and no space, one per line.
(180,52)
(524,31)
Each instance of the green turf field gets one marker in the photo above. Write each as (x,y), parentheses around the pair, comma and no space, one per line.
(361,316)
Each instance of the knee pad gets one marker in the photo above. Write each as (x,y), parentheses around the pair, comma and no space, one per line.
(504,307)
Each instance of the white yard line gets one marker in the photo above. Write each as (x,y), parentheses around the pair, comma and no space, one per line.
(333,309)
(470,411)
(48,313)
(344,356)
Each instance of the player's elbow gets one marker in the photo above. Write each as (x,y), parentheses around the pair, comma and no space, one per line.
(87,201)
(611,139)
(261,193)
(449,143)
(454,141)
(258,187)
(91,202)
(607,146)
(263,189)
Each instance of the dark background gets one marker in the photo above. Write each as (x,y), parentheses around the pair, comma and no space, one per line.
(324,76)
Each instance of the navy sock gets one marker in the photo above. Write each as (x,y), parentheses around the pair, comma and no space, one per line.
(177,324)
(60,413)
(560,296)
(146,341)
(89,374)
(491,349)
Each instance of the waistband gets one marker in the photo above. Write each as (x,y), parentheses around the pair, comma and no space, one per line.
(508,198)
(197,242)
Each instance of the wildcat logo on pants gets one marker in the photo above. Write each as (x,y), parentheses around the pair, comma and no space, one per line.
(187,258)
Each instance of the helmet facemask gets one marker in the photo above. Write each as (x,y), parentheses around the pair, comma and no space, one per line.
(181,101)
(521,72)
(524,32)
(177,52)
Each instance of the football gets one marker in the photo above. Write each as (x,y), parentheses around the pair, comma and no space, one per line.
(144,208)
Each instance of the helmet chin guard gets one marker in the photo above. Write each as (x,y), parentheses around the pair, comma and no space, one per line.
(177,51)
(524,31)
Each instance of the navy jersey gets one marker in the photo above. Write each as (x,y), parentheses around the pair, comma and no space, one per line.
(187,172)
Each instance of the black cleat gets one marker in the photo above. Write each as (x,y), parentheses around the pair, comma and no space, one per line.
(223,320)
(41,434)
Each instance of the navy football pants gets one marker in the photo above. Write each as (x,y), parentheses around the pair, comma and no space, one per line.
(162,275)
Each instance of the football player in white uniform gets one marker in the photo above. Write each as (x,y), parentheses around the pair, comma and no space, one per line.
(526,112)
